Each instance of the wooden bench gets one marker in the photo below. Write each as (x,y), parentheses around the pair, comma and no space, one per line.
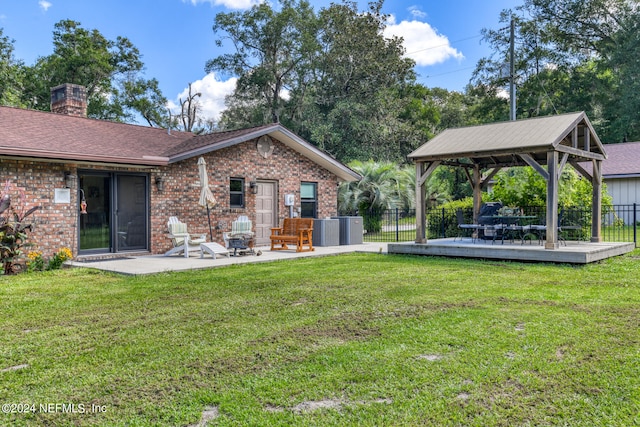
(293,230)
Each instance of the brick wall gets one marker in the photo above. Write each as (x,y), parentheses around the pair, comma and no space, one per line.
(182,191)
(55,224)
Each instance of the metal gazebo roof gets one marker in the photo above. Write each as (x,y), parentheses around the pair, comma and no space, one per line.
(500,144)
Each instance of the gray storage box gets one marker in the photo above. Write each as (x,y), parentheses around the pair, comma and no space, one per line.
(326,232)
(351,229)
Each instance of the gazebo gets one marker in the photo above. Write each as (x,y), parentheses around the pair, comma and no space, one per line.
(546,144)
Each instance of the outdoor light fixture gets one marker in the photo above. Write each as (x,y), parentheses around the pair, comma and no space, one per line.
(253,185)
(159,184)
(69,179)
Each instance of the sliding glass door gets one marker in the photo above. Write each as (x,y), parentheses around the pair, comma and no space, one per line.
(131,212)
(115,214)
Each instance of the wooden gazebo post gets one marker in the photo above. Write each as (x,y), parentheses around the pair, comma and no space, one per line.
(596,205)
(552,200)
(421,221)
(423,170)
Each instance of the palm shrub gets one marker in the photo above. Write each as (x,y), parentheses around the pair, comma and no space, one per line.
(383,186)
(13,229)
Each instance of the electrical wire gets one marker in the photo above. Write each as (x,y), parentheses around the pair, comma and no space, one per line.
(445,44)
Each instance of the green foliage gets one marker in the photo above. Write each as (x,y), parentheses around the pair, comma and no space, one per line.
(383,186)
(11,72)
(442,219)
(451,183)
(35,261)
(272,49)
(59,258)
(14,229)
(572,55)
(111,71)
(525,187)
(348,87)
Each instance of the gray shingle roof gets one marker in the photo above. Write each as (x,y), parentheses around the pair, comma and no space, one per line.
(622,159)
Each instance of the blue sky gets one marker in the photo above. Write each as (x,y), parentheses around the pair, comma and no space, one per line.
(176,38)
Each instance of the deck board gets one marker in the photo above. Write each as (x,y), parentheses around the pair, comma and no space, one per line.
(571,253)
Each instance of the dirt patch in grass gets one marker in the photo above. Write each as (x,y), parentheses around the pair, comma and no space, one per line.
(430,357)
(439,306)
(310,406)
(331,404)
(14,368)
(210,413)
(346,328)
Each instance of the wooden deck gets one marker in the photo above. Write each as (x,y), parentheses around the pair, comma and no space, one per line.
(571,253)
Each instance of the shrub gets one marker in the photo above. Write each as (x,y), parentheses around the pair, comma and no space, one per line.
(59,258)
(35,262)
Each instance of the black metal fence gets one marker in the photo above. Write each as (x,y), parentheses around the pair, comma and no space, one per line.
(619,224)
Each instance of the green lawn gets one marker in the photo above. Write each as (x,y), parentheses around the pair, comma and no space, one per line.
(362,339)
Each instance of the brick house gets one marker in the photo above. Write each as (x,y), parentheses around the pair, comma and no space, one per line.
(133,178)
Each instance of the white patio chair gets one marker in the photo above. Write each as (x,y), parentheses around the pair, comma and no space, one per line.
(181,239)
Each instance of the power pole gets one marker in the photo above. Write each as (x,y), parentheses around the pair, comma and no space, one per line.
(512,72)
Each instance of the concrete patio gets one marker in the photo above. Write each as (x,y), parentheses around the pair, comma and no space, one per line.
(150,264)
(572,253)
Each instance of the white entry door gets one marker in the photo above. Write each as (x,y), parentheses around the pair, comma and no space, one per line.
(266,211)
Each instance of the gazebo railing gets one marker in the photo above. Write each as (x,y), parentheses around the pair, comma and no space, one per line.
(619,223)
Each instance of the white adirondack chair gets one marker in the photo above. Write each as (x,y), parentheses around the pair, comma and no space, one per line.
(182,240)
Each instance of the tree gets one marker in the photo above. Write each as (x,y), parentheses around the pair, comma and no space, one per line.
(379,189)
(110,70)
(355,103)
(145,98)
(573,55)
(271,47)
(189,110)
(332,77)
(11,73)
(524,187)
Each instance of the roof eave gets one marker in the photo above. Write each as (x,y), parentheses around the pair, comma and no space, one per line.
(481,154)
(288,138)
(582,117)
(316,155)
(49,155)
(220,145)
(620,175)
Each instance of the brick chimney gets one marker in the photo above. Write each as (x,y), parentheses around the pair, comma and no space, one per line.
(69,99)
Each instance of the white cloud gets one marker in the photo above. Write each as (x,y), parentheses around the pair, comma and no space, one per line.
(416,12)
(423,43)
(45,5)
(229,4)
(213,91)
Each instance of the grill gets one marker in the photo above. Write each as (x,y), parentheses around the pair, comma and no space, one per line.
(242,242)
